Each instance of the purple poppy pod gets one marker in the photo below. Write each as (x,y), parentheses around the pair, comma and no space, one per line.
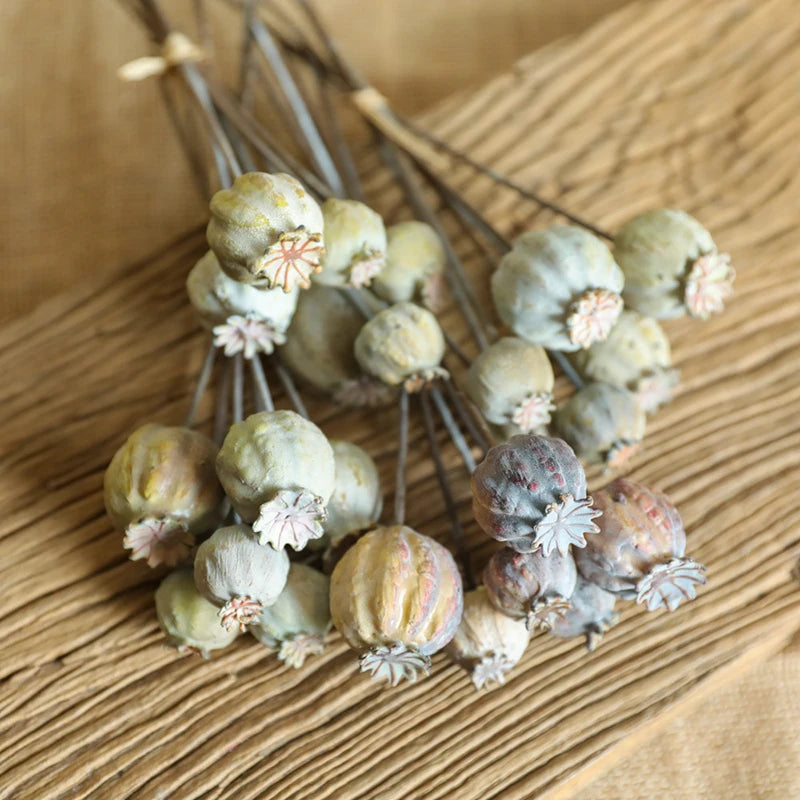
(591,614)
(530,586)
(530,493)
(640,552)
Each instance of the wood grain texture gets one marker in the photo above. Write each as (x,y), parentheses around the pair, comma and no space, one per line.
(636,113)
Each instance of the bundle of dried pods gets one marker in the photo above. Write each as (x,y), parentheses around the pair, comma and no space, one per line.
(304,278)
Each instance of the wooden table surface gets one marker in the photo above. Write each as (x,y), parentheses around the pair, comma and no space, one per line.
(695,105)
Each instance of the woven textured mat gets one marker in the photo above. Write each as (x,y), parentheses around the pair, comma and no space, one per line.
(678,102)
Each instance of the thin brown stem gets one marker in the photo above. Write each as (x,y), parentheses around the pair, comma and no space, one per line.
(286,379)
(202,384)
(452,428)
(457,532)
(402,458)
(263,394)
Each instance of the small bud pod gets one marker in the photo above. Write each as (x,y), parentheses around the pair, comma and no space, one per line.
(672,266)
(591,614)
(640,552)
(511,383)
(530,586)
(162,490)
(244,318)
(402,344)
(415,262)
(603,424)
(232,570)
(356,502)
(635,356)
(396,597)
(530,493)
(319,348)
(488,643)
(278,471)
(559,288)
(355,243)
(266,230)
(189,621)
(299,619)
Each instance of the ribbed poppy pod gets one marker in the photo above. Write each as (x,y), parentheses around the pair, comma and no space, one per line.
(414,270)
(635,356)
(189,621)
(244,318)
(296,623)
(161,489)
(319,348)
(672,266)
(604,424)
(488,644)
(530,493)
(511,383)
(357,501)
(530,586)
(559,288)
(396,597)
(402,344)
(591,614)
(640,552)
(267,230)
(234,571)
(278,470)
(355,243)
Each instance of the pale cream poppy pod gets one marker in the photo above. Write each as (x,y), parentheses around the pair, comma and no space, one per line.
(266,229)
(216,297)
(355,243)
(487,643)
(401,344)
(234,571)
(190,621)
(296,623)
(636,356)
(415,262)
(320,339)
(278,470)
(396,597)
(161,489)
(357,501)
(603,424)
(511,383)
(559,288)
(672,266)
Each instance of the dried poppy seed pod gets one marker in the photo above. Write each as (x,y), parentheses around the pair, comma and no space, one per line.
(487,643)
(530,586)
(559,288)
(396,597)
(161,489)
(243,317)
(234,571)
(355,243)
(530,493)
(672,266)
(298,620)
(319,348)
(189,621)
(402,344)
(591,614)
(511,383)
(266,229)
(356,502)
(640,552)
(278,470)
(635,356)
(414,270)
(602,423)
